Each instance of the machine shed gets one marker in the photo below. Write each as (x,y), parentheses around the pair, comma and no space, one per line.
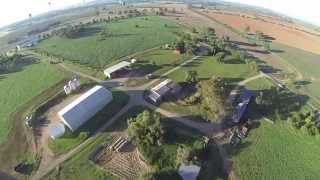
(85,107)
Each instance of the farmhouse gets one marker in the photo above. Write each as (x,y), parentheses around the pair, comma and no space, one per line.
(242,107)
(111,71)
(162,89)
(85,107)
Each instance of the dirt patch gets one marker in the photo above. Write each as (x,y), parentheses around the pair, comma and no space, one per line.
(43,136)
(282,32)
(125,164)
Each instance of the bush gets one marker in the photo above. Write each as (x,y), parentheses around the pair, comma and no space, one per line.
(168,174)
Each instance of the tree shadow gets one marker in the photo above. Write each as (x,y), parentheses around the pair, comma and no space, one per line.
(302,83)
(86,32)
(18,64)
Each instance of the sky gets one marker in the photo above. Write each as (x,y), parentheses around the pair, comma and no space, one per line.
(15,10)
(307,10)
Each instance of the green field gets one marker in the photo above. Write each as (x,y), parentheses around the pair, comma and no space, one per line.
(71,140)
(277,152)
(207,67)
(19,87)
(306,63)
(125,39)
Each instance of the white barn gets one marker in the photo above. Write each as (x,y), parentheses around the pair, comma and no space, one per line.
(122,65)
(85,107)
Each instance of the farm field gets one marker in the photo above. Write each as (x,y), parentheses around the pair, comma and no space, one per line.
(19,87)
(206,67)
(307,64)
(71,140)
(126,37)
(156,62)
(277,152)
(284,35)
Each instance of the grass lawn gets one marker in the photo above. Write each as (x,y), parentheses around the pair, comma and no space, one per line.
(19,87)
(306,63)
(79,167)
(260,84)
(125,39)
(156,62)
(206,67)
(277,152)
(71,140)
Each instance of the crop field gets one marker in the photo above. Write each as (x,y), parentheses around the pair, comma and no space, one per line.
(280,33)
(125,37)
(277,152)
(307,64)
(19,87)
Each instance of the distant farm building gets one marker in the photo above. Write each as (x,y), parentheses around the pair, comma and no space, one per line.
(29,42)
(164,88)
(85,107)
(189,172)
(117,69)
(242,107)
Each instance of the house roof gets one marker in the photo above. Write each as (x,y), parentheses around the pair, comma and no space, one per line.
(83,108)
(116,67)
(242,106)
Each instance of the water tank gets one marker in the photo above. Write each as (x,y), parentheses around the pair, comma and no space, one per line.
(57,130)
(133,61)
(76,82)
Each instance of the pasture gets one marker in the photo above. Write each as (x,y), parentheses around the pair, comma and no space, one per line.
(124,37)
(277,152)
(17,88)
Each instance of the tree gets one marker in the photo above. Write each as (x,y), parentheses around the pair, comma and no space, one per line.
(146,129)
(212,98)
(247,29)
(162,174)
(180,46)
(191,77)
(220,57)
(266,46)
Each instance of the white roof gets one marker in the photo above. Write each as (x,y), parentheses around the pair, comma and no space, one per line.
(189,172)
(162,84)
(83,108)
(116,67)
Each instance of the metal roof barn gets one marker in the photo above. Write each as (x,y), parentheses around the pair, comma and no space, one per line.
(85,107)
(108,72)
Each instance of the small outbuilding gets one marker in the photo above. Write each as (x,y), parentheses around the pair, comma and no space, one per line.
(162,89)
(242,107)
(109,72)
(85,107)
